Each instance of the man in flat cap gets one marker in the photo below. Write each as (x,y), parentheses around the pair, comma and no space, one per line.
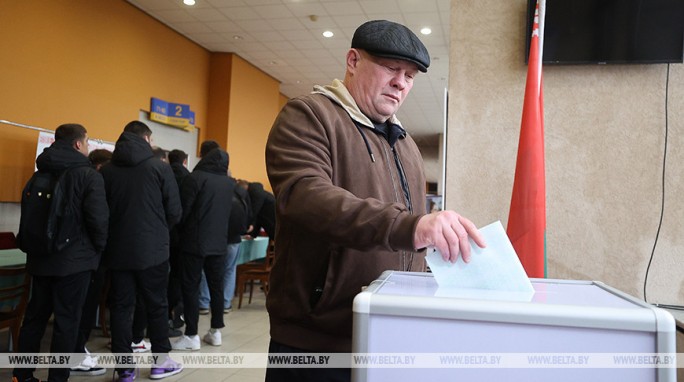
(350,198)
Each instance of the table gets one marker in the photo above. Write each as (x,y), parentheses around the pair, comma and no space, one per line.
(12,257)
(251,250)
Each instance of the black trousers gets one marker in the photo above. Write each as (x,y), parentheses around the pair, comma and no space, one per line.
(92,302)
(276,374)
(215,270)
(175,294)
(151,284)
(139,319)
(64,297)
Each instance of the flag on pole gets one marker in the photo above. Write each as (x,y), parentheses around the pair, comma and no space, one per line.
(527,216)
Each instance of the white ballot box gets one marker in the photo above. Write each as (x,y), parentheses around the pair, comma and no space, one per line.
(408,329)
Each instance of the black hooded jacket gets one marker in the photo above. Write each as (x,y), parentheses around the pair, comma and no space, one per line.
(180,172)
(240,215)
(207,195)
(85,198)
(263,210)
(144,204)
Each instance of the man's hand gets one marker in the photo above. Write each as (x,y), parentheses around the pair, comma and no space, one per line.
(448,232)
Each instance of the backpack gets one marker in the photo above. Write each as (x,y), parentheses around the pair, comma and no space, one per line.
(44,226)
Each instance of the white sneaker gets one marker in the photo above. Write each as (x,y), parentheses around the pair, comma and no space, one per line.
(141,347)
(88,366)
(186,343)
(213,337)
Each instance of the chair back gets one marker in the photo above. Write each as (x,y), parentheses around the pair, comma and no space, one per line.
(270,255)
(255,271)
(8,240)
(14,293)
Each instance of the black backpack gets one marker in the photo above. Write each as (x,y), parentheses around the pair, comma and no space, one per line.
(46,224)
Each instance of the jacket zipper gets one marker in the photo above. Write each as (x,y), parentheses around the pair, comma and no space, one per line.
(407,196)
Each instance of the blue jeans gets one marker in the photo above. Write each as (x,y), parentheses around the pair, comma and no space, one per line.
(229,280)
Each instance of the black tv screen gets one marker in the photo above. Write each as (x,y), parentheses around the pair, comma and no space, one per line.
(611,31)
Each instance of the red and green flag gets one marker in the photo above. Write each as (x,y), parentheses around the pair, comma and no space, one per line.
(527,217)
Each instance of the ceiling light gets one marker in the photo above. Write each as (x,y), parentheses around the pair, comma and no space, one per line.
(189,2)
(426,31)
(328,34)
(237,37)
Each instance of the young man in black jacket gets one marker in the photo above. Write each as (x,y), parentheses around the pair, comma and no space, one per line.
(263,210)
(238,225)
(206,195)
(178,160)
(61,278)
(144,204)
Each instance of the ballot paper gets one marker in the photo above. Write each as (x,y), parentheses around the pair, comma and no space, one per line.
(494,272)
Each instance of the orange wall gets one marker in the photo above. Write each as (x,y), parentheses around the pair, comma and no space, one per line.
(254,104)
(91,62)
(98,63)
(219,98)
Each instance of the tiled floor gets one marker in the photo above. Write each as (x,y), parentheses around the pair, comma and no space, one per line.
(246,331)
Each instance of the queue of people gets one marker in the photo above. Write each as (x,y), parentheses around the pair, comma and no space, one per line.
(154,229)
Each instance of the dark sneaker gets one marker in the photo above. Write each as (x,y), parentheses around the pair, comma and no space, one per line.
(168,368)
(178,320)
(126,376)
(175,332)
(29,379)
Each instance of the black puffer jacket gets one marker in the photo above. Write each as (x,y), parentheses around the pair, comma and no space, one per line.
(240,215)
(207,198)
(180,172)
(144,203)
(85,193)
(263,210)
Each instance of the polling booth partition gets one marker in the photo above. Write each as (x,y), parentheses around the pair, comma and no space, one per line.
(567,330)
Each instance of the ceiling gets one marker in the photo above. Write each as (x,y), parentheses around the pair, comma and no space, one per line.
(284,39)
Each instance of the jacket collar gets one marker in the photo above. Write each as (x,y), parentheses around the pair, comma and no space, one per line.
(339,94)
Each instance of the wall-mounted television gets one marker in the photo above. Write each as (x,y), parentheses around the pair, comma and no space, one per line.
(611,31)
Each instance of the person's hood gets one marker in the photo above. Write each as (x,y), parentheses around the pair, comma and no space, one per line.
(215,162)
(60,156)
(179,169)
(339,94)
(130,150)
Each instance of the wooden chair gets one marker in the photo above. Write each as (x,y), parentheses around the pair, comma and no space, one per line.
(252,271)
(14,293)
(8,240)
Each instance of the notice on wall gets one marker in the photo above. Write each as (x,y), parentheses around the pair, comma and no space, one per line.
(172,114)
(45,139)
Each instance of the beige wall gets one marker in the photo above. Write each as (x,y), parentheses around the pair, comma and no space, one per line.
(605,136)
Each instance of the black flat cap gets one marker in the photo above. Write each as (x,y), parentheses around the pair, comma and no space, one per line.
(388,39)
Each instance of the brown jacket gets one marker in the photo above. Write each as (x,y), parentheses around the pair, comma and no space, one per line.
(342,218)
